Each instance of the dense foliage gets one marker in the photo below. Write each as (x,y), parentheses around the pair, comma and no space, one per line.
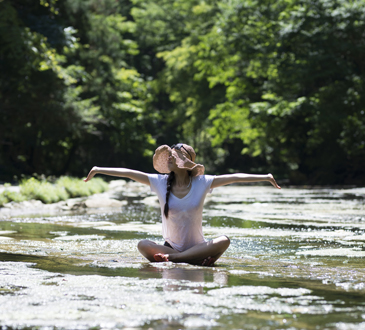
(254,86)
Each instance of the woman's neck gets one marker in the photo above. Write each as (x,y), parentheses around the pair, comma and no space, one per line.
(182,178)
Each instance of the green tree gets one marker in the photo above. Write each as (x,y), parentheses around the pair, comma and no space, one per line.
(40,111)
(253,85)
(168,34)
(292,75)
(68,96)
(116,88)
(308,71)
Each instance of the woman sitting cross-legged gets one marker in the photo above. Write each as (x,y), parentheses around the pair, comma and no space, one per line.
(181,190)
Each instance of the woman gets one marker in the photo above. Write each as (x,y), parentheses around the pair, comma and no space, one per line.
(181,194)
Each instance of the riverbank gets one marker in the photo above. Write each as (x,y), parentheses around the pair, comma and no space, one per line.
(115,195)
(50,190)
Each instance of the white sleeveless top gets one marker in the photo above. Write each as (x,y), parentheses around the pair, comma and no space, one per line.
(183,227)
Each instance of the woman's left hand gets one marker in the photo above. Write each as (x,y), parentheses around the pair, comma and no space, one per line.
(273,182)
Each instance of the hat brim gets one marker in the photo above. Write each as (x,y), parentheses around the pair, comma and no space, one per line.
(161,157)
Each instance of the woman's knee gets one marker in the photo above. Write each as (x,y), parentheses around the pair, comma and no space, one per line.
(144,244)
(224,241)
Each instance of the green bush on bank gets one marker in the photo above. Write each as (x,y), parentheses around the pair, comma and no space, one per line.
(47,192)
(8,196)
(77,188)
(43,191)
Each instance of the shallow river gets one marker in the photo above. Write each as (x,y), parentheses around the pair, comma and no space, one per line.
(296,261)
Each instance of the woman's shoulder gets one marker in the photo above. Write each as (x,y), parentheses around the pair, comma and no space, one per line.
(156,176)
(205,178)
(157,182)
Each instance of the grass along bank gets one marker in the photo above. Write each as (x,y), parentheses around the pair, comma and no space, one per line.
(63,188)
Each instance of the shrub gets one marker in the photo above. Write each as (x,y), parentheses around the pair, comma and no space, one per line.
(74,187)
(3,199)
(10,196)
(97,185)
(13,196)
(77,187)
(42,190)
(65,187)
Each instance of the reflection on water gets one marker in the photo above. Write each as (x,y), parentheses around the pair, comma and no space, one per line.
(295,262)
(178,278)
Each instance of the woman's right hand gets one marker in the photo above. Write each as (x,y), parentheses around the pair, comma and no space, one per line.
(91,174)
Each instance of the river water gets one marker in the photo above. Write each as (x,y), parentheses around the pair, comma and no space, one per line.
(296,261)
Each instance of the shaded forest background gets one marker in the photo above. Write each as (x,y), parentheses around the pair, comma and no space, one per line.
(255,86)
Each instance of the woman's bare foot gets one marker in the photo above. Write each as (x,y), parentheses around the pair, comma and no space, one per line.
(160,257)
(209,262)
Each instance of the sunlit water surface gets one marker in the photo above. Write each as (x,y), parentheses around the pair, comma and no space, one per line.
(296,261)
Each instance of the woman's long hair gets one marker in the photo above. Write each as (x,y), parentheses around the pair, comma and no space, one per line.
(170,181)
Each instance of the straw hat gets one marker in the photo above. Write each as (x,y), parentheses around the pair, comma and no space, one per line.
(185,159)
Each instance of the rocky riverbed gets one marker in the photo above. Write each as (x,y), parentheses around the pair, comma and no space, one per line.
(296,261)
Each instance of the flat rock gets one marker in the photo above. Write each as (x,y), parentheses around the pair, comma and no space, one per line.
(103,202)
(344,252)
(151,201)
(134,227)
(31,204)
(115,184)
(4,238)
(7,232)
(360,238)
(78,238)
(91,224)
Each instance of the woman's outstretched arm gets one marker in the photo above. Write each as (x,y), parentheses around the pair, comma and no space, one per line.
(222,180)
(121,172)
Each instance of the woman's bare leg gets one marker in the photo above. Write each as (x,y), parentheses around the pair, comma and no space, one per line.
(205,253)
(149,249)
